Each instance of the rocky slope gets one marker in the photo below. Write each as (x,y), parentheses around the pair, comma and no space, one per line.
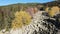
(37,26)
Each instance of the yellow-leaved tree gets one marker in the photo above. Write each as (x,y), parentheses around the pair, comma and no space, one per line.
(53,11)
(22,18)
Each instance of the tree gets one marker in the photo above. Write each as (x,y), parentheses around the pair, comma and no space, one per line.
(22,18)
(58,1)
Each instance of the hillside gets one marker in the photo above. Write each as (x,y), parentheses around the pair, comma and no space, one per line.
(12,13)
(53,3)
(18,6)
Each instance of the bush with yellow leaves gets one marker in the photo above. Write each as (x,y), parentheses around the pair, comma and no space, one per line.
(53,11)
(22,18)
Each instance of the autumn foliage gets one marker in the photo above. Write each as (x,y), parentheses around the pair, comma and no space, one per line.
(53,11)
(32,10)
(22,18)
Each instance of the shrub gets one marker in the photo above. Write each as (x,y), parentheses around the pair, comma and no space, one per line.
(22,18)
